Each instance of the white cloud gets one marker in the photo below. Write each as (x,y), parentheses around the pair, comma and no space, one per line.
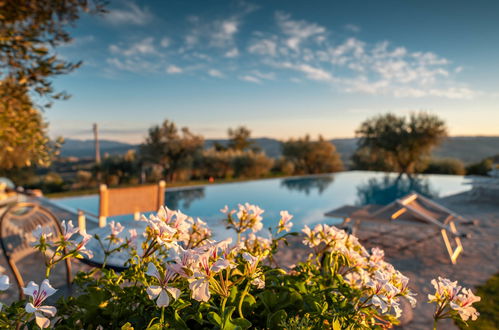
(142,47)
(215,73)
(132,65)
(263,75)
(263,47)
(310,72)
(131,14)
(297,31)
(165,42)
(352,28)
(173,69)
(234,52)
(250,79)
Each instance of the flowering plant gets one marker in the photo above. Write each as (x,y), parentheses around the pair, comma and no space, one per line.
(179,277)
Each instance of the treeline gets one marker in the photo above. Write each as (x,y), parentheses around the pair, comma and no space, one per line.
(177,154)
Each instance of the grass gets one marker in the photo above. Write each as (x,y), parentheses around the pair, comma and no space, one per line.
(488,307)
(92,191)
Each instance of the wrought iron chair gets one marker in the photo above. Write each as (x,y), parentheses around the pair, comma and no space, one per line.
(16,226)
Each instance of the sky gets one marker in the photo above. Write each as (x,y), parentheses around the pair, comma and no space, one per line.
(283,68)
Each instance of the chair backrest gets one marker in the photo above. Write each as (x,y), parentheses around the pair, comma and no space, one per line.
(16,238)
(129,200)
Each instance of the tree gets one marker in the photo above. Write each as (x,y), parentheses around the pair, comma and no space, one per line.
(402,142)
(239,138)
(312,157)
(170,148)
(30,31)
(23,132)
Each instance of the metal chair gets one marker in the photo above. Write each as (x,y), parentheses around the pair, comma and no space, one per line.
(16,227)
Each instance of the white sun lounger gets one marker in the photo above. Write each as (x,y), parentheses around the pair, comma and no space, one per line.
(412,209)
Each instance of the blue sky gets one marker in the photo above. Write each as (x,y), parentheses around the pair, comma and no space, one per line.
(283,68)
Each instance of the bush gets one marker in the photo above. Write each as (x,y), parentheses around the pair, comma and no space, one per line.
(251,164)
(480,168)
(445,166)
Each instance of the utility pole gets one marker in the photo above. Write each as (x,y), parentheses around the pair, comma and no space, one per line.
(97,148)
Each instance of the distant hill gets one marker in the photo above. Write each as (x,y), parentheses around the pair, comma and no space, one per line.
(85,148)
(468,149)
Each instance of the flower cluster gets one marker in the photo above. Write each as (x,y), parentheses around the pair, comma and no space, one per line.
(248,216)
(379,283)
(452,300)
(169,226)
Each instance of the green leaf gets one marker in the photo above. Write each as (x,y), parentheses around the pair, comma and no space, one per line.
(179,322)
(276,318)
(215,319)
(242,323)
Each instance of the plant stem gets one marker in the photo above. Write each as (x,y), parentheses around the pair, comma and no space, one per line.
(240,306)
(435,324)
(224,301)
(162,316)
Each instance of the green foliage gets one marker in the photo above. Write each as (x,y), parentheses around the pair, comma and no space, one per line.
(312,157)
(31,30)
(117,170)
(399,143)
(488,306)
(170,148)
(251,164)
(23,132)
(239,138)
(481,168)
(445,166)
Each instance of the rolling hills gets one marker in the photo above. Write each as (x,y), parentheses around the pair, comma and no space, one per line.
(468,149)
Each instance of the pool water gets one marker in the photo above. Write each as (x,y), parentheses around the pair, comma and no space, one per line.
(305,197)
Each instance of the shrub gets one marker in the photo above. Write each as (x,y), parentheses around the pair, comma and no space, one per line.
(480,168)
(445,166)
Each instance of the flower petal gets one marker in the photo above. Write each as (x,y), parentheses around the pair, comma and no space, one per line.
(42,321)
(45,286)
(4,282)
(153,271)
(163,299)
(174,292)
(30,308)
(153,291)
(49,310)
(30,289)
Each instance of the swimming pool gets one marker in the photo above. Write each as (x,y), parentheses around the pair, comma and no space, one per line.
(306,197)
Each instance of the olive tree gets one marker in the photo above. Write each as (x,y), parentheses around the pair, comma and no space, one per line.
(400,143)
(171,148)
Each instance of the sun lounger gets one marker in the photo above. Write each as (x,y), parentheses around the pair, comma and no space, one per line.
(412,209)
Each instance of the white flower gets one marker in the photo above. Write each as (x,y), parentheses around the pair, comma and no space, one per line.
(4,282)
(38,295)
(162,291)
(284,223)
(4,285)
(41,233)
(225,209)
(68,230)
(462,304)
(200,283)
(80,247)
(116,228)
